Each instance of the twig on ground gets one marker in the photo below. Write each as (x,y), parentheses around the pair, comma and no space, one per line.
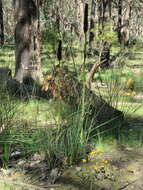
(126,185)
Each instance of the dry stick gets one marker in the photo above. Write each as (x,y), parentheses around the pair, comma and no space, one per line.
(29,186)
(94,70)
(91,73)
(128,183)
(124,186)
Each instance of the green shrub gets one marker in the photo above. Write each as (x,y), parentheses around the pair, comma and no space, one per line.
(8,110)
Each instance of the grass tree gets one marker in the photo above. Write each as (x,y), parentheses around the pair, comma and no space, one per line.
(1,25)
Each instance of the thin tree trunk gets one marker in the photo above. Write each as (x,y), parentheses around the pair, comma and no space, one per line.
(1,24)
(120,4)
(104,17)
(126,25)
(80,18)
(92,23)
(27,41)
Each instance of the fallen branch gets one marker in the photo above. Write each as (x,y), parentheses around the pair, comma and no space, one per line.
(91,73)
(126,185)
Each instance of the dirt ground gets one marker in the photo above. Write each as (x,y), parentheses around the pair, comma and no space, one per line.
(119,169)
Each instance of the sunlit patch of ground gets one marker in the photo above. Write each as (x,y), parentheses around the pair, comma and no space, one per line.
(120,168)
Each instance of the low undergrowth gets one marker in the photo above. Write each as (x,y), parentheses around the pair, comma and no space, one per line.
(8,111)
(62,135)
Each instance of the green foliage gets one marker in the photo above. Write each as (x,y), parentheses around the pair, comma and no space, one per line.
(50,35)
(6,153)
(63,145)
(106,34)
(133,138)
(59,110)
(136,43)
(82,77)
(7,110)
(7,113)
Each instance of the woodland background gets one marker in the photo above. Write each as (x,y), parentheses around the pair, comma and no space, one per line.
(71,94)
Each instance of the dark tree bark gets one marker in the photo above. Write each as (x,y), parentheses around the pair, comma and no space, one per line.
(27,41)
(1,24)
(92,23)
(104,17)
(120,6)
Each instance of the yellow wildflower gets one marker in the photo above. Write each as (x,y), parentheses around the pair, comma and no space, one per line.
(93,153)
(105,161)
(96,152)
(92,160)
(88,159)
(100,151)
(95,167)
(84,160)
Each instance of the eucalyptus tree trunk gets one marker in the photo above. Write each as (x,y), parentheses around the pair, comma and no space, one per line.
(80,18)
(104,18)
(126,24)
(27,41)
(1,24)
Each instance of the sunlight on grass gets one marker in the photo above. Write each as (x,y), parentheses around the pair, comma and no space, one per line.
(42,113)
(5,186)
(139,112)
(36,112)
(7,58)
(106,144)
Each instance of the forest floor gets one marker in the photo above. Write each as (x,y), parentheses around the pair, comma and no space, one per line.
(118,168)
(112,166)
